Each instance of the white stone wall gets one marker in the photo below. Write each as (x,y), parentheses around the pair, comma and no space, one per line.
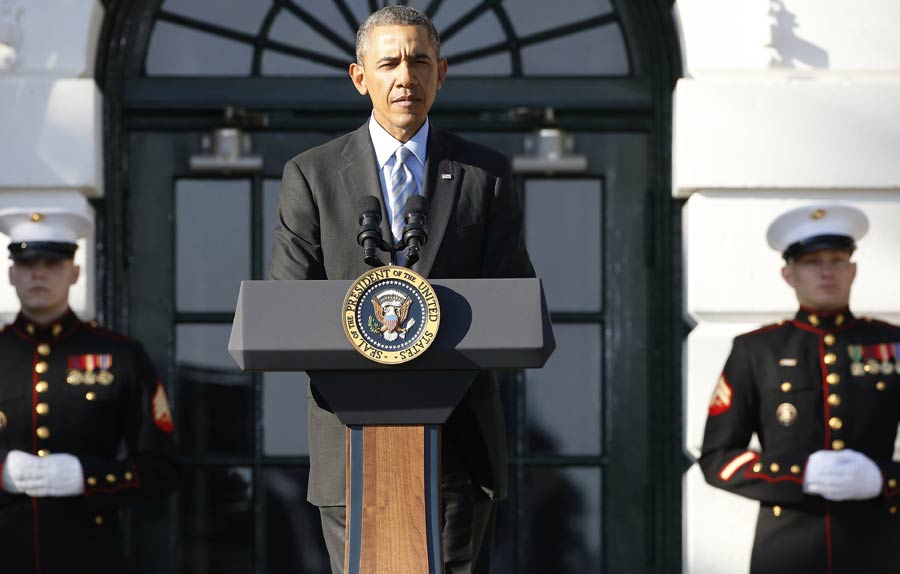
(783,103)
(51,117)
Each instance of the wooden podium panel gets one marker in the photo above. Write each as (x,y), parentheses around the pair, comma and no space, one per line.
(393,527)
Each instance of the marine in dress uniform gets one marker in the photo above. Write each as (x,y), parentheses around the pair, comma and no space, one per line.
(822,393)
(85,426)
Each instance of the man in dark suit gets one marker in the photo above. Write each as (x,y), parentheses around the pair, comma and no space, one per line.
(475,230)
(822,394)
(85,426)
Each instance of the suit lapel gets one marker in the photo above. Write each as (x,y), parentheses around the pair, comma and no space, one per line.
(357,175)
(442,179)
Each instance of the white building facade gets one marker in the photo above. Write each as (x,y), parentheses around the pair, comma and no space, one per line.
(782,102)
(51,112)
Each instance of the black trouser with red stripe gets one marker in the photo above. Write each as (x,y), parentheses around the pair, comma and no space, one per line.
(58,536)
(827,537)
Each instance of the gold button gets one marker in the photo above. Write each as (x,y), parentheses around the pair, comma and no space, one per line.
(829,339)
(774,467)
(830,358)
(757,467)
(43,433)
(893,510)
(776,510)
(3,420)
(30,328)
(835,423)
(110,478)
(892,483)
(128,476)
(786,387)
(42,408)
(880,385)
(56,330)
(833,378)
(43,349)
(813,319)
(795,469)
(839,320)
(92,481)
(838,444)
(43,452)
(90,395)
(98,520)
(834,400)
(41,368)
(41,386)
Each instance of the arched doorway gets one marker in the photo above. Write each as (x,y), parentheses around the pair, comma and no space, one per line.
(594,437)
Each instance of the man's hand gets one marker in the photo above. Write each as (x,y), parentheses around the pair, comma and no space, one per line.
(842,475)
(52,475)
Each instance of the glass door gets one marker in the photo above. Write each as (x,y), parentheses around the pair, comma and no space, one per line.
(243,436)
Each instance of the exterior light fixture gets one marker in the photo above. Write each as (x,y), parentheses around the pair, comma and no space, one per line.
(549,151)
(228,149)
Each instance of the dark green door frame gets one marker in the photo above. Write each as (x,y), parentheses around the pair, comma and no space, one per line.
(640,103)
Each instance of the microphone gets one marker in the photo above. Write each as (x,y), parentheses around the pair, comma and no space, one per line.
(369,236)
(414,234)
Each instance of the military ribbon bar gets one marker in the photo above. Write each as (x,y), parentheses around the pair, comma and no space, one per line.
(884,353)
(90,362)
(856,357)
(104,361)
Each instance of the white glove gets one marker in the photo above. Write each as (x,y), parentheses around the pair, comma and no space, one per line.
(16,464)
(842,475)
(14,460)
(52,475)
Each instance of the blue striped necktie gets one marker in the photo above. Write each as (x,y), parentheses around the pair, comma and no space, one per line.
(403,186)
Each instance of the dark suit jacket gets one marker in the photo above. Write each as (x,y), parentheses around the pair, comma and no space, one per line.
(474,230)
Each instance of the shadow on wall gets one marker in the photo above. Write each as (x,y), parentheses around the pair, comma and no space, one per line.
(788,50)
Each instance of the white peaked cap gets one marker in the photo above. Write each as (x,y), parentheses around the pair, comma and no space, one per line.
(817,226)
(44,220)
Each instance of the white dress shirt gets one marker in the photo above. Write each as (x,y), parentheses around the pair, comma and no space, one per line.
(385,147)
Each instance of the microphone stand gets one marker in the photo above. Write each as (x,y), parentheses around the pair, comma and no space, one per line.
(414,236)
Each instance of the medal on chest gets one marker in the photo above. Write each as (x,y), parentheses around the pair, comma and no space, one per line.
(857,369)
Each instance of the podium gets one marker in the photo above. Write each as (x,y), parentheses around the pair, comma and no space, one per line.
(393,413)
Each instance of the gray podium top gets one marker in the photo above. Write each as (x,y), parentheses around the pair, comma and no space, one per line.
(485,323)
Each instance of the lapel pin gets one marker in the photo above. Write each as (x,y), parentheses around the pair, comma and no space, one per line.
(446,176)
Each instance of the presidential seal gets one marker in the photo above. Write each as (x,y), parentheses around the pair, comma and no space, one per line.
(391,315)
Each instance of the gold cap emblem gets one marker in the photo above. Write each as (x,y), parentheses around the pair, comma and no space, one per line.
(37,216)
(818,214)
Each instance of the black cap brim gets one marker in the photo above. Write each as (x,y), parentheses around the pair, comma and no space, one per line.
(819,242)
(49,250)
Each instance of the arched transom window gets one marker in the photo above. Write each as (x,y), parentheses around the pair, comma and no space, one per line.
(492,38)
